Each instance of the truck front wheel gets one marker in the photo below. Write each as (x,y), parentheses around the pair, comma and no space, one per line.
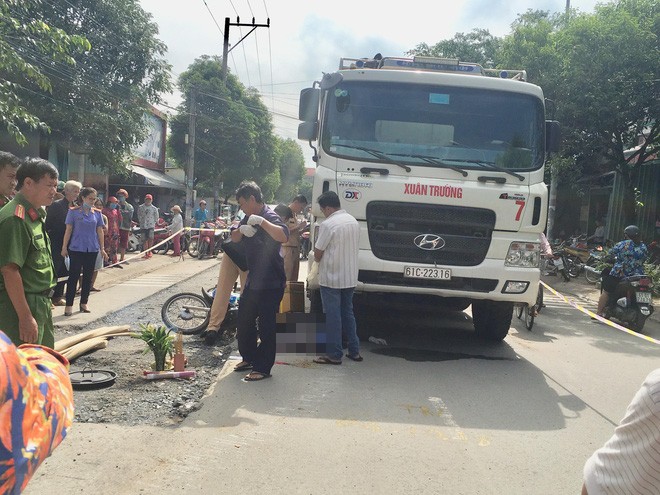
(492,319)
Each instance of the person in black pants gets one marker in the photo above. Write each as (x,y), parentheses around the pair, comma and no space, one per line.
(83,240)
(262,232)
(55,227)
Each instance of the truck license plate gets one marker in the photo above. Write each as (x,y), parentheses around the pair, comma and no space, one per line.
(643,297)
(424,272)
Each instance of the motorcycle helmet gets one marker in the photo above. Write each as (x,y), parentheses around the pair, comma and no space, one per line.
(632,232)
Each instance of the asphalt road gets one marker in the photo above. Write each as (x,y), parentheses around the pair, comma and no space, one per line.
(434,410)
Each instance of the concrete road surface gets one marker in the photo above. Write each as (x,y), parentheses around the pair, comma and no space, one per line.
(433,411)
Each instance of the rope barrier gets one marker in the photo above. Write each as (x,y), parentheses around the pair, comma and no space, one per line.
(142,253)
(600,318)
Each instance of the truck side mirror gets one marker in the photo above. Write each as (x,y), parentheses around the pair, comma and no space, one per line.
(308,131)
(552,136)
(308,108)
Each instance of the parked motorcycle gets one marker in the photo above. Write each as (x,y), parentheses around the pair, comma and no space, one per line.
(632,303)
(208,241)
(556,263)
(161,232)
(134,239)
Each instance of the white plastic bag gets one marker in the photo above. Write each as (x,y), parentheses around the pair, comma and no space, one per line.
(313,276)
(67,262)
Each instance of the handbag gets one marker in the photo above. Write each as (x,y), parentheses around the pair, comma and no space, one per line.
(236,252)
(313,276)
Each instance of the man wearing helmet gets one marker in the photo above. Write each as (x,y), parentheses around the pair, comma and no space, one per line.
(629,256)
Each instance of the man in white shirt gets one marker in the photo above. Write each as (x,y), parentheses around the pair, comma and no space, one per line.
(629,462)
(336,250)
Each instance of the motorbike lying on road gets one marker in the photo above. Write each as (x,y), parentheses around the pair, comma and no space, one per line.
(632,302)
(189,313)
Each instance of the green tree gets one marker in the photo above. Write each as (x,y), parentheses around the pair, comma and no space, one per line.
(20,33)
(97,106)
(478,46)
(609,88)
(233,132)
(291,164)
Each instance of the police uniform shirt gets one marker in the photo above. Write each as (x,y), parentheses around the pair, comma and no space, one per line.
(23,242)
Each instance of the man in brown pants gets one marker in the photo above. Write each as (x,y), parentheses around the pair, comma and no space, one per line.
(229,272)
(291,248)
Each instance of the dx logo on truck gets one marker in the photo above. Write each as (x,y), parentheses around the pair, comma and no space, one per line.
(429,242)
(352,195)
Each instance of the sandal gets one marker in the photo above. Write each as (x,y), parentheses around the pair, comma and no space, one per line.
(357,358)
(256,376)
(326,360)
(243,366)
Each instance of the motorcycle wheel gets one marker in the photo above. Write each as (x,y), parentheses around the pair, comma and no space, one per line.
(192,247)
(564,273)
(179,313)
(592,277)
(133,244)
(162,249)
(575,267)
(638,324)
(202,250)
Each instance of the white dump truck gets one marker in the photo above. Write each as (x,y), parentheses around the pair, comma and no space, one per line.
(442,163)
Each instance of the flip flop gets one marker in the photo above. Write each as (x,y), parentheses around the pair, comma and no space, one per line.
(243,366)
(325,360)
(257,378)
(357,358)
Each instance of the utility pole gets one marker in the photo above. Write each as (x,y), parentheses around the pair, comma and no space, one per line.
(552,202)
(225,45)
(190,141)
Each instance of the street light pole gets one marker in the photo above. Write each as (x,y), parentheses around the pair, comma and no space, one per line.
(190,170)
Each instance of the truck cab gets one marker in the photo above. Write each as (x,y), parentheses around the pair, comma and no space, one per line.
(442,164)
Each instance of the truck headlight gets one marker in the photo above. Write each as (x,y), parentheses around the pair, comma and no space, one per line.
(523,254)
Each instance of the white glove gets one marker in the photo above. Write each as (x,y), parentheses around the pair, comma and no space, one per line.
(255,220)
(248,230)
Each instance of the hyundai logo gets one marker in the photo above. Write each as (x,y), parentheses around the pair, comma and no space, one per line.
(429,242)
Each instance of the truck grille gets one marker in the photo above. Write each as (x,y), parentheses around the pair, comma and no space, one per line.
(393,228)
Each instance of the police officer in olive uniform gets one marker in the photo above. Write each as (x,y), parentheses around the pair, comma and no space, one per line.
(8,165)
(26,264)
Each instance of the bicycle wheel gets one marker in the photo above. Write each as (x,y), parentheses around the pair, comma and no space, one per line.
(529,317)
(539,300)
(192,247)
(519,310)
(186,312)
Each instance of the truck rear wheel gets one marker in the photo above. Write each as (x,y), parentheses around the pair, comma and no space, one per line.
(492,319)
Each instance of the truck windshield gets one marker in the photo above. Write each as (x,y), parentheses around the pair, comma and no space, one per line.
(465,127)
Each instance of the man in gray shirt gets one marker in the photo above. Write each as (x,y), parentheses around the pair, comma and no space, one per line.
(126,210)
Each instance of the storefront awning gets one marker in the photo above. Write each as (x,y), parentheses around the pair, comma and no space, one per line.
(158,179)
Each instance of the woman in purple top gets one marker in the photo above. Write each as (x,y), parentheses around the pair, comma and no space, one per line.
(83,240)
